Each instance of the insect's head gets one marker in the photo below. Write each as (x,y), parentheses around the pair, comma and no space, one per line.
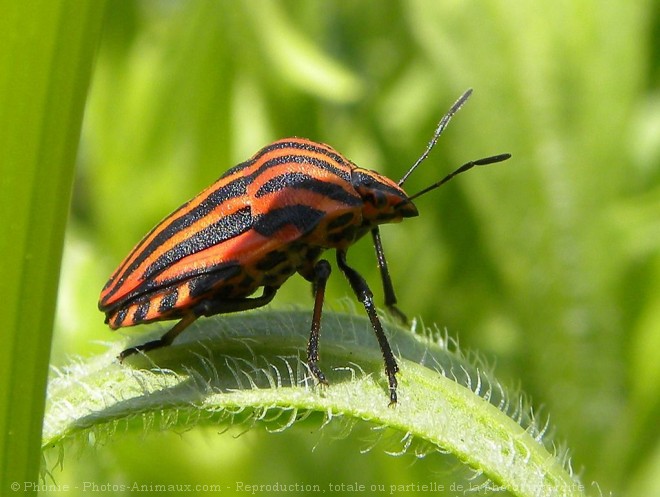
(384,200)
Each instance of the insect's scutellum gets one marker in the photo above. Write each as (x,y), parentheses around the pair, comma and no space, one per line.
(261,222)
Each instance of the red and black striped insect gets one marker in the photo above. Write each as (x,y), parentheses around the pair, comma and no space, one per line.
(258,224)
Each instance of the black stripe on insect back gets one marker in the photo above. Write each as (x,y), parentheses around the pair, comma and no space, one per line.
(284,158)
(303,217)
(223,229)
(312,147)
(204,283)
(269,261)
(302,181)
(298,145)
(231,190)
(237,168)
(281,160)
(309,146)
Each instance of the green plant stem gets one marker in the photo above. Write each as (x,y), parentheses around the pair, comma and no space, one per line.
(46,54)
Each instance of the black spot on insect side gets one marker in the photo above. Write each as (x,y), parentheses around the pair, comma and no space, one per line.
(224,291)
(168,301)
(119,317)
(340,221)
(347,234)
(385,216)
(376,198)
(313,253)
(285,270)
(271,280)
(246,281)
(271,260)
(201,285)
(141,312)
(303,217)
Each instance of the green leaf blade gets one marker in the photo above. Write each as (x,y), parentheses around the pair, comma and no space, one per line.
(248,370)
(46,54)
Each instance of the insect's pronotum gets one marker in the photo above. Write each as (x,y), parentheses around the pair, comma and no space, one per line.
(262,221)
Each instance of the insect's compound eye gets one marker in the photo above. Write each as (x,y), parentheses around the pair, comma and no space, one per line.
(371,194)
(376,198)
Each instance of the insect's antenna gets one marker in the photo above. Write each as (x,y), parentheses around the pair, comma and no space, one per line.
(465,167)
(438,131)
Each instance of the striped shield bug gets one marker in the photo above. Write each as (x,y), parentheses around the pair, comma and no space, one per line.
(258,224)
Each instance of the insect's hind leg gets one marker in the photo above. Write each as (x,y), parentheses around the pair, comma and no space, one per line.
(208,307)
(163,341)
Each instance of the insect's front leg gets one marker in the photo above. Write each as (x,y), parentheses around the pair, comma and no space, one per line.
(365,296)
(388,288)
(321,274)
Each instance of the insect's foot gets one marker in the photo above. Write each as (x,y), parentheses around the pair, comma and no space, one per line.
(393,384)
(145,347)
(393,398)
(318,374)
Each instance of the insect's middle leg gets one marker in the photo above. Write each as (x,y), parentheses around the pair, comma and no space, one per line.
(207,307)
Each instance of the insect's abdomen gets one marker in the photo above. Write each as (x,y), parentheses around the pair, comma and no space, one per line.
(262,221)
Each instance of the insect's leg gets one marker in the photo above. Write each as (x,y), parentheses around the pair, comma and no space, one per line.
(365,296)
(163,341)
(388,288)
(211,307)
(321,274)
(207,307)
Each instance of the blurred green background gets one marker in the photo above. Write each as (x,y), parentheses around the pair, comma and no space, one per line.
(547,265)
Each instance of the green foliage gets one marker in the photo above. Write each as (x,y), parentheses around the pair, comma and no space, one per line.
(46,54)
(247,370)
(548,263)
